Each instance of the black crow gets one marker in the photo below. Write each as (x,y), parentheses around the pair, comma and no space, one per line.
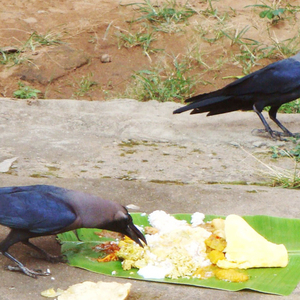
(274,85)
(40,210)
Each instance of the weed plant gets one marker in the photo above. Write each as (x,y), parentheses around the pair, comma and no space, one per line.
(26,92)
(84,85)
(272,12)
(141,39)
(34,41)
(276,11)
(169,12)
(10,59)
(290,107)
(210,11)
(170,82)
(286,178)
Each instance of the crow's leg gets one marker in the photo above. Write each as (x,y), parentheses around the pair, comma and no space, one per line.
(44,254)
(12,238)
(272,113)
(267,127)
(21,267)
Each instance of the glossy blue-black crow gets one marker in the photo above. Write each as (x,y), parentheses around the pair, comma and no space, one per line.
(274,85)
(40,210)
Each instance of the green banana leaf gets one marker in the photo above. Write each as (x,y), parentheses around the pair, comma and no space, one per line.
(79,251)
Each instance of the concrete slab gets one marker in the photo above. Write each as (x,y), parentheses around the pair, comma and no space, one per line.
(131,140)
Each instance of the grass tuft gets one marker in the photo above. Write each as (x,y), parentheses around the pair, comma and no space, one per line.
(34,41)
(141,39)
(169,12)
(84,85)
(26,92)
(286,178)
(163,83)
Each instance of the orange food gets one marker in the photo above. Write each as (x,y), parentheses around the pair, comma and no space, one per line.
(109,248)
(109,257)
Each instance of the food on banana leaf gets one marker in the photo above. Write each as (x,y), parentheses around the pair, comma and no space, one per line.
(218,248)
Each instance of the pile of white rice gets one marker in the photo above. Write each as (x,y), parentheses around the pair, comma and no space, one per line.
(178,248)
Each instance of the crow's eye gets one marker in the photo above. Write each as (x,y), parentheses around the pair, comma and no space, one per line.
(129,219)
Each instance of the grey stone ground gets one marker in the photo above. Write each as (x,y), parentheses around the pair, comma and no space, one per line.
(138,153)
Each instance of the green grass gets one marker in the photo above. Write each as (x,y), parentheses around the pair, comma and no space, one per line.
(10,59)
(272,12)
(141,39)
(287,47)
(276,11)
(26,92)
(249,56)
(34,41)
(167,13)
(210,11)
(290,107)
(287,151)
(209,35)
(277,176)
(194,55)
(237,36)
(84,85)
(163,83)
(154,17)
(286,178)
(252,51)
(167,17)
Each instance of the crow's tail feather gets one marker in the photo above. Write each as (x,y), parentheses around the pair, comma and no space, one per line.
(200,106)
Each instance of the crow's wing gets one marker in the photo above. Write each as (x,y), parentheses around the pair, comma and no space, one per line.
(280,77)
(35,209)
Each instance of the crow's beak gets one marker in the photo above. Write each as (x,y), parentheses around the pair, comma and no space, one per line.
(132,232)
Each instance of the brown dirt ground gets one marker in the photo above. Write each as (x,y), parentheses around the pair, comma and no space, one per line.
(91,27)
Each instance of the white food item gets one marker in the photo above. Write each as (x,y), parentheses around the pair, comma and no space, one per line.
(165,222)
(197,219)
(155,272)
(89,290)
(177,250)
